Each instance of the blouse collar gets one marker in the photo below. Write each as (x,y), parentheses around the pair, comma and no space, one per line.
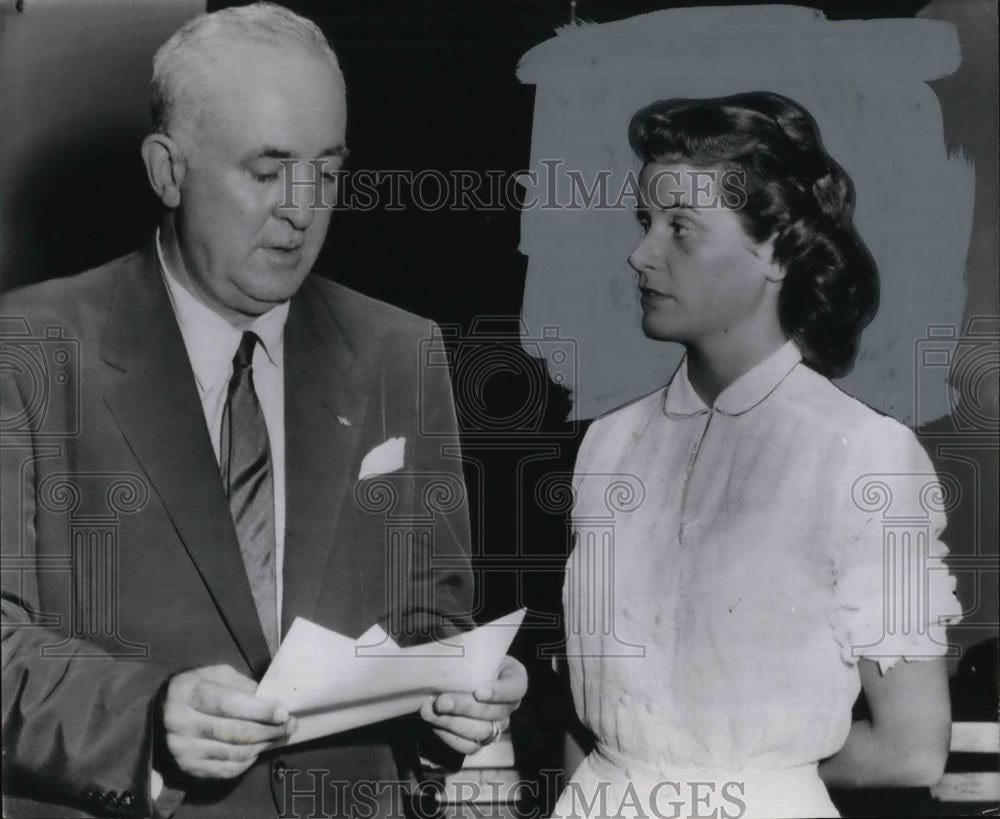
(744,393)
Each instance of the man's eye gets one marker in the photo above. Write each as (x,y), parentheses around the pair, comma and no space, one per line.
(264,177)
(679,228)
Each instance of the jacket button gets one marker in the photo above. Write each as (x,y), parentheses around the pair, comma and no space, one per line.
(278,769)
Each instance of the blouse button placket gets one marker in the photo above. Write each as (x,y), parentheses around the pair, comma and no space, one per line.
(695,449)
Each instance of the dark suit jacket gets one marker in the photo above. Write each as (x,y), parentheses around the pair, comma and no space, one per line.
(120,559)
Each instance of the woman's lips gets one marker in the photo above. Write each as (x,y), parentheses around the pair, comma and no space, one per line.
(649,296)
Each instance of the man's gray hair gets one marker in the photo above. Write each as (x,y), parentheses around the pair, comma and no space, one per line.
(181,64)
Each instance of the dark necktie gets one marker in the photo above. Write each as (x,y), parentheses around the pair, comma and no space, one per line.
(245,460)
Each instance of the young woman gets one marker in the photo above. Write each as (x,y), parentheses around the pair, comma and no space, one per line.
(757,582)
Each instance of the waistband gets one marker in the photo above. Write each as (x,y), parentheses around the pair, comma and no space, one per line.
(614,762)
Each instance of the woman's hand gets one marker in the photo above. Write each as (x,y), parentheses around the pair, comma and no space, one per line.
(906,742)
(466,722)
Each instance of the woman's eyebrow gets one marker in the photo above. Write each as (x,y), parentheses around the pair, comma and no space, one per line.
(685,207)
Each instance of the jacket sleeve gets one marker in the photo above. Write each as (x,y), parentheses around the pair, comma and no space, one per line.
(437,599)
(77,723)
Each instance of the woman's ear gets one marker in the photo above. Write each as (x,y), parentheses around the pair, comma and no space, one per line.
(165,168)
(775,270)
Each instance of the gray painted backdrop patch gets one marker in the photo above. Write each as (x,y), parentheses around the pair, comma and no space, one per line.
(864,82)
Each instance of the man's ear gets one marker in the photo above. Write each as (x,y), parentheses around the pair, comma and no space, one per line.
(165,167)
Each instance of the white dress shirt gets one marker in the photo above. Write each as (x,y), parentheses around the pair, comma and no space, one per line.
(211,343)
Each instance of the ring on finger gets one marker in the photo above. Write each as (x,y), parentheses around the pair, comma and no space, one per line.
(496,733)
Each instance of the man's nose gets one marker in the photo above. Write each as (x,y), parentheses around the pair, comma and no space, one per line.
(302,195)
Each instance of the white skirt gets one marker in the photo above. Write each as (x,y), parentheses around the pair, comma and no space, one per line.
(606,788)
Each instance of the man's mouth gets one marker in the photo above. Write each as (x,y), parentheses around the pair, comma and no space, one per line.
(284,254)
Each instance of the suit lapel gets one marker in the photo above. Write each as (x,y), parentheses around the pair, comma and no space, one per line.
(156,405)
(324,414)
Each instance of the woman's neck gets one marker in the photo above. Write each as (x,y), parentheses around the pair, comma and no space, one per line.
(711,367)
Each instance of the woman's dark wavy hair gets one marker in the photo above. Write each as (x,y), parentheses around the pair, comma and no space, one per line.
(796,194)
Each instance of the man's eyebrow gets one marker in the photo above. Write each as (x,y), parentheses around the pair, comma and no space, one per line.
(269,152)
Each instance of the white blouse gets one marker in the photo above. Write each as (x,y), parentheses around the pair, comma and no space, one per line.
(732,564)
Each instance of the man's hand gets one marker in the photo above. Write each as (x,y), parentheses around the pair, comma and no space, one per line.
(465,721)
(215,726)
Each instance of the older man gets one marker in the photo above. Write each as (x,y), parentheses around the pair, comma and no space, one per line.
(200,472)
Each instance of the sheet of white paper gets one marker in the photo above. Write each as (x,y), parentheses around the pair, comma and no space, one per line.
(333,683)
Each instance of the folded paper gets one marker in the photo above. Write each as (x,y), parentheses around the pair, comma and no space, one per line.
(332,683)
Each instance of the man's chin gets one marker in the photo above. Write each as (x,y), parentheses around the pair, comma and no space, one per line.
(257,305)
(270,289)
(243,307)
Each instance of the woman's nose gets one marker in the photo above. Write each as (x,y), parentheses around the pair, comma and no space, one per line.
(641,259)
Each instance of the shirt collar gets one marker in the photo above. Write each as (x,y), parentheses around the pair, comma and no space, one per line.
(210,340)
(743,394)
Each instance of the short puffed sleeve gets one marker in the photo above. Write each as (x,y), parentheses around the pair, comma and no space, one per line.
(894,594)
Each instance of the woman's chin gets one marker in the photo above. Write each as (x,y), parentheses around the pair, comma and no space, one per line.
(658,330)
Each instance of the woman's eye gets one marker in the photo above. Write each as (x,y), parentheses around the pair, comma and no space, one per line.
(264,177)
(679,228)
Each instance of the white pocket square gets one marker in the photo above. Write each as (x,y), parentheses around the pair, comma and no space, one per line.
(386,457)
